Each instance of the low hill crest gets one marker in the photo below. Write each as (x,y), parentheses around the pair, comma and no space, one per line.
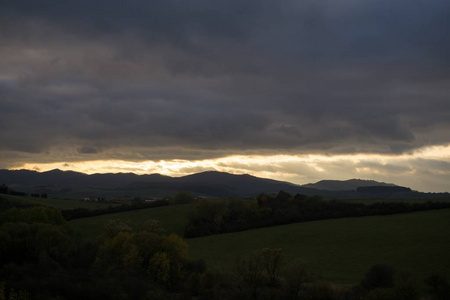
(71,184)
(345,185)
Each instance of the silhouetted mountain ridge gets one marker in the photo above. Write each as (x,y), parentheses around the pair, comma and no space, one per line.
(344,185)
(210,183)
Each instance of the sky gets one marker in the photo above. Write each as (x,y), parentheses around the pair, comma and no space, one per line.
(292,90)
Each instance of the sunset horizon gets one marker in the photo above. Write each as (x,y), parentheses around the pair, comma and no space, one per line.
(313,167)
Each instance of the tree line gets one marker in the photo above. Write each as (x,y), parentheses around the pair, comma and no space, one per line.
(4,189)
(212,216)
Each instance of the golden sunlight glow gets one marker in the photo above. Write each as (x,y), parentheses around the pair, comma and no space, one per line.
(294,168)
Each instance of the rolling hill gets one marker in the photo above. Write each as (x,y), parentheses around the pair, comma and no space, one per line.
(69,184)
(344,185)
(341,250)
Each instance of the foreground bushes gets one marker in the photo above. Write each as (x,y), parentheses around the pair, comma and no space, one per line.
(40,258)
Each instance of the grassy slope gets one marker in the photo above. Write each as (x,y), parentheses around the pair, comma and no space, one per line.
(411,201)
(92,192)
(172,218)
(342,250)
(56,203)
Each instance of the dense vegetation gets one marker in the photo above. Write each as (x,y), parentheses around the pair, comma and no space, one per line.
(4,189)
(214,216)
(41,257)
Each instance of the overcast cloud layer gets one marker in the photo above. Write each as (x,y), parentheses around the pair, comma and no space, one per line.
(149,80)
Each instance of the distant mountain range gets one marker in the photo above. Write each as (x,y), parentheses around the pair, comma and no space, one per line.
(344,185)
(69,184)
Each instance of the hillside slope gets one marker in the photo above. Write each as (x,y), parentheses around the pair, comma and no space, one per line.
(69,184)
(344,185)
(342,250)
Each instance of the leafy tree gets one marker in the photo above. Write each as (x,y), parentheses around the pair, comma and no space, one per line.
(4,189)
(159,268)
(238,210)
(39,214)
(118,254)
(152,226)
(262,200)
(407,286)
(176,249)
(114,226)
(2,291)
(296,275)
(440,287)
(17,295)
(146,251)
(249,276)
(206,218)
(379,276)
(283,196)
(273,263)
(35,243)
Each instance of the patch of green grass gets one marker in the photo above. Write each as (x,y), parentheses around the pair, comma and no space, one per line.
(61,204)
(172,218)
(410,201)
(343,250)
(108,193)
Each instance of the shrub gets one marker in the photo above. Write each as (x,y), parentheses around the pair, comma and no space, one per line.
(379,276)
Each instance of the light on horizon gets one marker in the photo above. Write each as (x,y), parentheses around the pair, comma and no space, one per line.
(299,169)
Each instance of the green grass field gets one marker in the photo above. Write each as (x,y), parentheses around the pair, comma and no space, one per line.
(109,193)
(56,203)
(410,201)
(172,218)
(342,250)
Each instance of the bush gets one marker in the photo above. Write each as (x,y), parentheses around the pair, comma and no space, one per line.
(407,287)
(439,286)
(379,276)
(296,276)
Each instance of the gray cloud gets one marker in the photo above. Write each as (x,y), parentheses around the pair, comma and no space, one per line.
(88,150)
(207,78)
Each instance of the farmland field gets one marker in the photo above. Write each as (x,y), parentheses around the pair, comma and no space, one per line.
(61,204)
(410,201)
(342,250)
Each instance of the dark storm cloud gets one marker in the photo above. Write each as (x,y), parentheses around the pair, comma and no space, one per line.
(88,150)
(222,76)
(156,19)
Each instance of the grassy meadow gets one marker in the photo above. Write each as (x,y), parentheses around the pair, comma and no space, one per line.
(61,204)
(340,250)
(372,201)
(94,192)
